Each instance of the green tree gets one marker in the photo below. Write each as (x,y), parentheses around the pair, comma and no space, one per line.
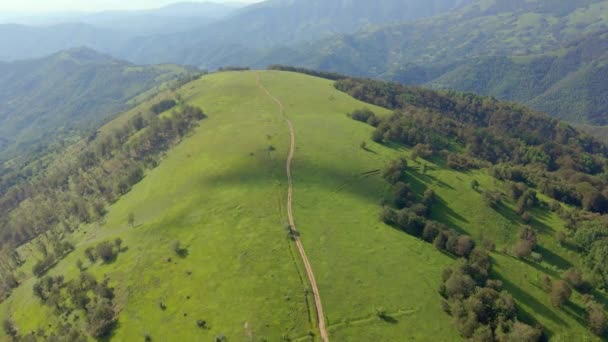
(560,293)
(131,219)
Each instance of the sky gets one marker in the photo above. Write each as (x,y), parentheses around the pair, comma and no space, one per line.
(37,6)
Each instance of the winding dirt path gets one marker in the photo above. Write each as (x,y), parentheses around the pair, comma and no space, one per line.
(292,224)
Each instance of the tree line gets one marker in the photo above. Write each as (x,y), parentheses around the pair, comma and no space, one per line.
(79,184)
(469,131)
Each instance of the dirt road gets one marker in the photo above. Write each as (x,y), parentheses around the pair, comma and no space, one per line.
(292,224)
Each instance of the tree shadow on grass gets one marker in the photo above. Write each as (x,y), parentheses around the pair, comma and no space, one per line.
(553,258)
(441,212)
(575,311)
(111,332)
(427,179)
(524,297)
(508,214)
(540,268)
(388,319)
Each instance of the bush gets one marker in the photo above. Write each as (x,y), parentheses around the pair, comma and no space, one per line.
(10,328)
(365,115)
(105,250)
(560,293)
(394,171)
(492,198)
(101,319)
(596,318)
(163,106)
(522,249)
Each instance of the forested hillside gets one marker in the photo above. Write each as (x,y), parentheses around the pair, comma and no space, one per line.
(549,55)
(69,93)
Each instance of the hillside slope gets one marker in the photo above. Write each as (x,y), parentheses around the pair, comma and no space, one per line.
(535,52)
(243,38)
(220,193)
(68,93)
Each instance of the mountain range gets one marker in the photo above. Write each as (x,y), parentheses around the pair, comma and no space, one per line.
(68,93)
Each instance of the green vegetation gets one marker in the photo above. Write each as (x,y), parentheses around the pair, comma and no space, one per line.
(58,99)
(550,55)
(203,227)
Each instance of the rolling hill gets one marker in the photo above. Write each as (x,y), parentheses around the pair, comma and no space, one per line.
(71,92)
(205,249)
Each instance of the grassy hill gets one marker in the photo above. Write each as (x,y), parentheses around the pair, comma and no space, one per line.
(221,192)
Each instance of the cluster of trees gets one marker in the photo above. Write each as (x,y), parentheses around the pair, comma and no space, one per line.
(60,248)
(481,309)
(403,209)
(525,146)
(105,251)
(233,68)
(526,242)
(322,74)
(79,184)
(158,108)
(591,238)
(84,294)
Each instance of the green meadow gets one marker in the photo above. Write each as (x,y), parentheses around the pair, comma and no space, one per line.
(221,193)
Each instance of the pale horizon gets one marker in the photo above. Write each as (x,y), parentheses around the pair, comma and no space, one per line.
(66,6)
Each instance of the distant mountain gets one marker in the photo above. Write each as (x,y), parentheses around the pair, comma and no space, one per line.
(548,54)
(245,36)
(34,37)
(23,42)
(68,92)
(169,19)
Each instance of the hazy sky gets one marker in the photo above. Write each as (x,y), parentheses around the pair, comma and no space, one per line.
(89,5)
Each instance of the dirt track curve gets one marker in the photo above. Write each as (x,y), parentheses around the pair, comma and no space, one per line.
(292,224)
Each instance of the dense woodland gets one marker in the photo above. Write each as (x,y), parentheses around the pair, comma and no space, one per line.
(78,186)
(471,131)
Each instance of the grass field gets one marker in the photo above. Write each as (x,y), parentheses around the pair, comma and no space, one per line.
(221,193)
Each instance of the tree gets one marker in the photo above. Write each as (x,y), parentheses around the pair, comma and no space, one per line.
(527,242)
(522,249)
(101,319)
(475,184)
(90,254)
(464,246)
(105,251)
(131,219)
(79,265)
(560,293)
(596,318)
(10,328)
(574,277)
(521,332)
(393,172)
(118,244)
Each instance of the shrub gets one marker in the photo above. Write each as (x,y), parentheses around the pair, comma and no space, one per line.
(596,318)
(101,319)
(365,115)
(492,198)
(560,293)
(522,249)
(90,254)
(105,250)
(393,172)
(163,106)
(10,328)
